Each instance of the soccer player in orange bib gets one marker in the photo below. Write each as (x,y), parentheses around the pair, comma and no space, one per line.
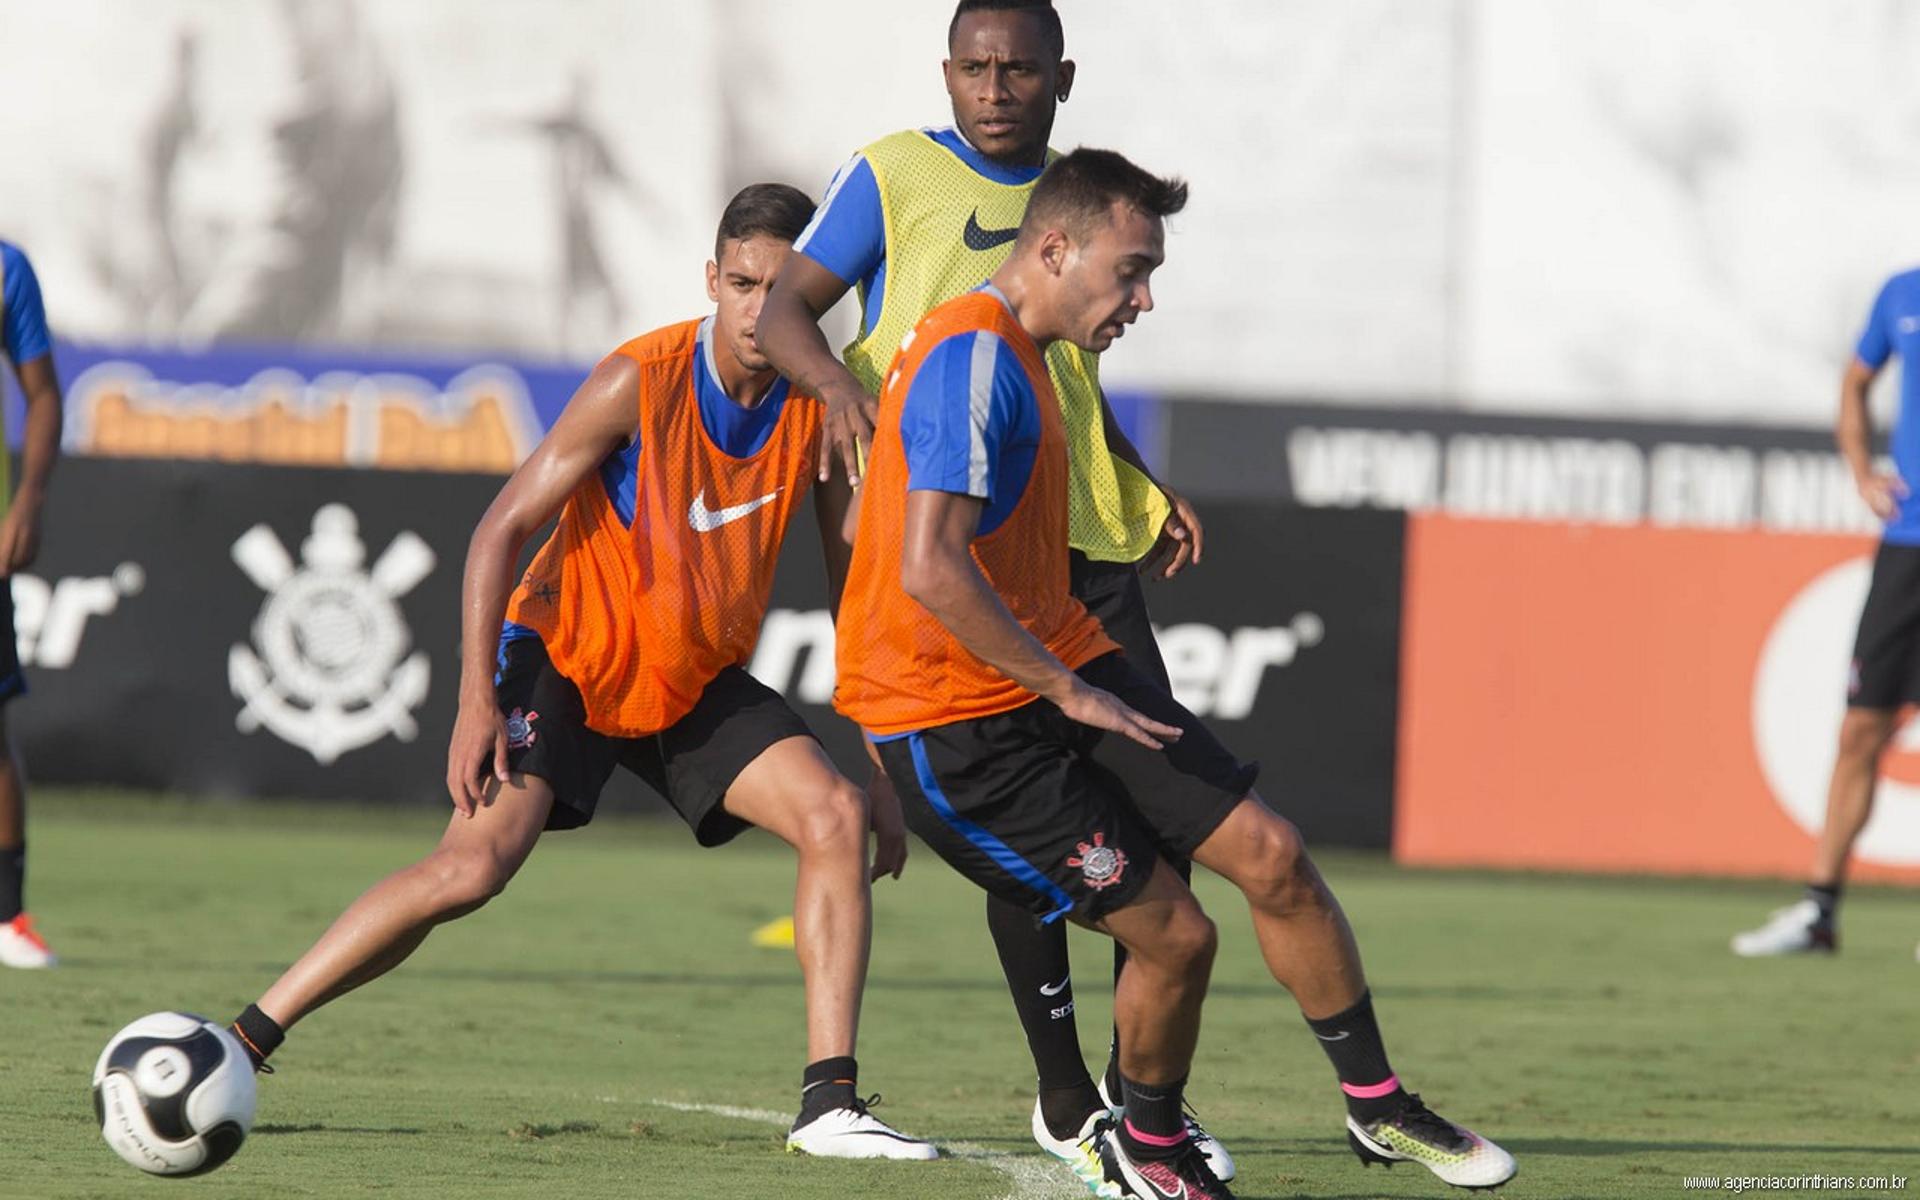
(1028,752)
(673,470)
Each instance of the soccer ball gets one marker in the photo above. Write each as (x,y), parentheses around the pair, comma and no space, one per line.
(174,1094)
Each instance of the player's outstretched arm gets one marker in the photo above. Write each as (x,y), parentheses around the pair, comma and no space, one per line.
(1853,433)
(937,569)
(602,415)
(789,333)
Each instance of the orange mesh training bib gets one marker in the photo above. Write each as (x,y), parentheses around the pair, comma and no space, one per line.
(900,669)
(641,617)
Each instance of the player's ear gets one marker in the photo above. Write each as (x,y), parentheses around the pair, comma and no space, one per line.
(1053,250)
(1063,81)
(713,281)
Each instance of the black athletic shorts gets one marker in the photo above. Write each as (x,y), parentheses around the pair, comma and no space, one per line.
(1886,651)
(691,763)
(1057,816)
(1112,593)
(13,680)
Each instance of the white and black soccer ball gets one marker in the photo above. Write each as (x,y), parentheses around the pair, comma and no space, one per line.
(174,1094)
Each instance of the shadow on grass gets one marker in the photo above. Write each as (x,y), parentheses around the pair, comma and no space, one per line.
(1601,1148)
(272,1130)
(568,976)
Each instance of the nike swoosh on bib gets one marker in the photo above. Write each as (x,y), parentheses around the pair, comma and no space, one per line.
(977,238)
(704,519)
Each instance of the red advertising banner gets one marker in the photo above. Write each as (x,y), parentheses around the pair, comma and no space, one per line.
(1629,698)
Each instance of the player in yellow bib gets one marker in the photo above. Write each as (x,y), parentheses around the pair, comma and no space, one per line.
(913,220)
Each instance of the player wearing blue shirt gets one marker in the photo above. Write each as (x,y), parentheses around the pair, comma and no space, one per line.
(1885,673)
(23,331)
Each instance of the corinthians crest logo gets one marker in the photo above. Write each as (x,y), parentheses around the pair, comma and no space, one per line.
(329,674)
(1100,865)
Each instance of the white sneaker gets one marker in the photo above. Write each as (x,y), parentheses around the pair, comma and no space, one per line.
(1080,1152)
(21,946)
(1216,1155)
(853,1132)
(1795,929)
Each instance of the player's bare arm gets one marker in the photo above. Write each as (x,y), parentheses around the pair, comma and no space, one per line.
(789,334)
(832,504)
(938,570)
(40,446)
(1882,490)
(597,421)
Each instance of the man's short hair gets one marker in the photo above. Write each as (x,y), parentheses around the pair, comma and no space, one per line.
(764,210)
(1043,9)
(1077,193)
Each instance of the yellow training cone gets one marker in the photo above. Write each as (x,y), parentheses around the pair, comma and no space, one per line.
(775,935)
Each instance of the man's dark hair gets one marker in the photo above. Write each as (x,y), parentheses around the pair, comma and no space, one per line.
(1078,191)
(1043,9)
(764,209)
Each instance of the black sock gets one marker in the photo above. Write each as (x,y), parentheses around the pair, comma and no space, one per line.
(1352,1041)
(1154,1126)
(259,1033)
(1033,957)
(13,882)
(827,1085)
(1827,896)
(1114,1086)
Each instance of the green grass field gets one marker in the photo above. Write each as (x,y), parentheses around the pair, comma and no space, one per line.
(545,1046)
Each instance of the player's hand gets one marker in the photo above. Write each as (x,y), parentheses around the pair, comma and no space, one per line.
(1180,540)
(477,751)
(890,829)
(847,430)
(1883,491)
(19,539)
(1090,705)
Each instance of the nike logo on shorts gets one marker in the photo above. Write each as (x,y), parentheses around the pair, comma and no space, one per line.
(704,519)
(977,238)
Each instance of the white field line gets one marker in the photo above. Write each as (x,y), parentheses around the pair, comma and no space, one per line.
(1031,1176)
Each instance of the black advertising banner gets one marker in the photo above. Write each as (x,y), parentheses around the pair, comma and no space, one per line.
(1286,640)
(245,630)
(278,631)
(1531,468)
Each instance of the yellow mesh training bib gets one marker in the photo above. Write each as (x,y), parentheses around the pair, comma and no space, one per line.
(948,229)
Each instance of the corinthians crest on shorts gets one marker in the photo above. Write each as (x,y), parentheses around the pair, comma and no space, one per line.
(332,672)
(1100,865)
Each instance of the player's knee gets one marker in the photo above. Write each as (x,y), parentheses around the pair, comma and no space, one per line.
(464,880)
(1189,940)
(1278,867)
(834,819)
(1864,733)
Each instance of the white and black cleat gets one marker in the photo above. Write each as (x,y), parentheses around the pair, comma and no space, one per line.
(854,1132)
(1417,1134)
(1795,929)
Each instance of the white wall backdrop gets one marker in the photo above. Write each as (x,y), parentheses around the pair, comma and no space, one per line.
(1673,208)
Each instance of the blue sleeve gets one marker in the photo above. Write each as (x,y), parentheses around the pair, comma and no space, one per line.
(962,411)
(26,319)
(848,233)
(1876,340)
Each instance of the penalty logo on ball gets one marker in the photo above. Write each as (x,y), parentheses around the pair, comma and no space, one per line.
(1100,865)
(329,674)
